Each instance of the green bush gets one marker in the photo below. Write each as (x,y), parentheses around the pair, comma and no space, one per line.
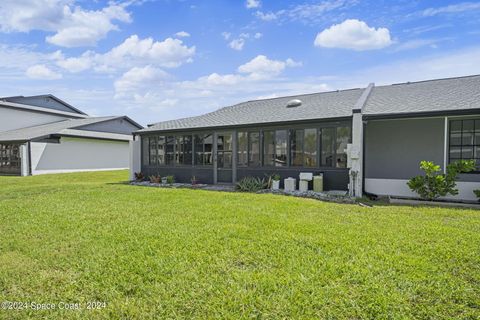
(170,179)
(251,184)
(139,176)
(434,184)
(477,193)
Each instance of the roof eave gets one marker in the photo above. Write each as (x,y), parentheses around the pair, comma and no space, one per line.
(250,125)
(425,114)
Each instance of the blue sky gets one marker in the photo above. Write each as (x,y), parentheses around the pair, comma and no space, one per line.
(166,59)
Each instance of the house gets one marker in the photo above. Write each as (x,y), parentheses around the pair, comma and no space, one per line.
(364,140)
(43,134)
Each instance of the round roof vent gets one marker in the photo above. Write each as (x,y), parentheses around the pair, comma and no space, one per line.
(294,103)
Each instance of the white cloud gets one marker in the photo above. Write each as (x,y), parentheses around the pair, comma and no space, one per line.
(72,25)
(237,44)
(353,34)
(270,16)
(254,78)
(182,34)
(292,63)
(308,13)
(41,71)
(25,15)
(84,62)
(250,4)
(226,35)
(136,78)
(261,64)
(261,67)
(85,28)
(169,53)
(419,43)
(453,8)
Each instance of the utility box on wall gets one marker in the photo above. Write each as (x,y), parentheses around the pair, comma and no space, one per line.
(353,153)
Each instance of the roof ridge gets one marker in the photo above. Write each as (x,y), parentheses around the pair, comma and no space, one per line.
(297,95)
(429,80)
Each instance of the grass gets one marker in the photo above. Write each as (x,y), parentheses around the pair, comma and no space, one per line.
(189,254)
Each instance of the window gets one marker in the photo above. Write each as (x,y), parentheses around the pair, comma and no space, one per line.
(10,161)
(464,140)
(280,148)
(275,148)
(342,139)
(203,149)
(296,148)
(145,150)
(310,148)
(153,150)
(328,136)
(254,149)
(183,153)
(161,150)
(333,146)
(224,150)
(268,148)
(242,146)
(169,149)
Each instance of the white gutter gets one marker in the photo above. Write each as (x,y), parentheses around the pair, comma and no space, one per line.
(95,135)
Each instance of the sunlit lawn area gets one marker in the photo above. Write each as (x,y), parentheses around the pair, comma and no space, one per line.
(166,253)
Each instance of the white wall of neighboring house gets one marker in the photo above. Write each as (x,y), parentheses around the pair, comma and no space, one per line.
(135,157)
(399,188)
(79,154)
(11,119)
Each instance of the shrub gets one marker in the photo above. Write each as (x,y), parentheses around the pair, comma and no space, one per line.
(251,184)
(433,184)
(155,179)
(139,176)
(170,179)
(477,193)
(276,177)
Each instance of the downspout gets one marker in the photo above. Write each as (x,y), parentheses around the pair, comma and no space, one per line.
(363,154)
(29,152)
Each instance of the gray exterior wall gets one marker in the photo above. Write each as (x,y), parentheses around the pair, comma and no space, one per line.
(121,126)
(394,148)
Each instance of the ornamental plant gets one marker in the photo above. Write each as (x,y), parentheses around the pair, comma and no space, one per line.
(139,176)
(477,193)
(434,184)
(251,184)
(170,179)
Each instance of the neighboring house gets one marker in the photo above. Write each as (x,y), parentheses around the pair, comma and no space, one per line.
(43,134)
(388,130)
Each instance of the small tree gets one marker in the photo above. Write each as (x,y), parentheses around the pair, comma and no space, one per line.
(433,184)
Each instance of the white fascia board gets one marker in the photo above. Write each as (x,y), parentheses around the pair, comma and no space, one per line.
(95,134)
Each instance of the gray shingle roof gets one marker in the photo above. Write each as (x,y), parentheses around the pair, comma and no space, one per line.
(334,104)
(440,95)
(451,94)
(26,134)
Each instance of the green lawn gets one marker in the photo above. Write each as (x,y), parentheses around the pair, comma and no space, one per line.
(167,253)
